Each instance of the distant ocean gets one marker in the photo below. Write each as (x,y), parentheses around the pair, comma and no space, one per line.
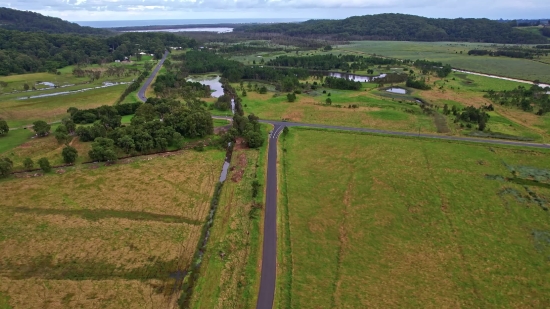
(173,22)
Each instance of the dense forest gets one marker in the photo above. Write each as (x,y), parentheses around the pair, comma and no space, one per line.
(30,21)
(403,27)
(26,52)
(199,62)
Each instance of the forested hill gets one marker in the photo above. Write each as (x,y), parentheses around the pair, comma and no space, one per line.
(25,52)
(29,21)
(401,27)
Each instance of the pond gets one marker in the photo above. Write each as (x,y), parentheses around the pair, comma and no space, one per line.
(354,77)
(397,90)
(213,82)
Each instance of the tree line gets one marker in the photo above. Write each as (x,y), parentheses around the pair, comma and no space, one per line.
(345,63)
(402,27)
(528,99)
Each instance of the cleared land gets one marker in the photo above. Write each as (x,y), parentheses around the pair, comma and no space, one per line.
(378,222)
(109,237)
(455,54)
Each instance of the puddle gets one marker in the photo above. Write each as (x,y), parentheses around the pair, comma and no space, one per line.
(397,90)
(51,85)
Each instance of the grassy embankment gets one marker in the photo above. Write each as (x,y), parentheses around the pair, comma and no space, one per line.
(111,237)
(230,271)
(390,222)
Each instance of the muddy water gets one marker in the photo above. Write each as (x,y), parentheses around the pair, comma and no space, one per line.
(213,82)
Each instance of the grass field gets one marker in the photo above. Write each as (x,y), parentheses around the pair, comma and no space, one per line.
(450,52)
(230,273)
(24,112)
(373,111)
(380,222)
(107,237)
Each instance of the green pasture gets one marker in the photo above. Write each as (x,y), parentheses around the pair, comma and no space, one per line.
(450,52)
(379,222)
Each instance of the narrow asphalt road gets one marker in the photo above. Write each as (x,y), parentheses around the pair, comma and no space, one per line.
(141,92)
(269,255)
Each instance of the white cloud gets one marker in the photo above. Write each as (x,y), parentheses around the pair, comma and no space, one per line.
(180,9)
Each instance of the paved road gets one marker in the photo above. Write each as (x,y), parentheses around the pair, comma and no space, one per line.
(269,258)
(410,134)
(141,92)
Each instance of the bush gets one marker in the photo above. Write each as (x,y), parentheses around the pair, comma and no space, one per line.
(44,164)
(255,188)
(69,154)
(28,163)
(6,165)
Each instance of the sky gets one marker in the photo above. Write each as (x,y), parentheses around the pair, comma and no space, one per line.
(92,10)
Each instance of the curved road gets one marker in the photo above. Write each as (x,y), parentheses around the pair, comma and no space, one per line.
(269,255)
(141,92)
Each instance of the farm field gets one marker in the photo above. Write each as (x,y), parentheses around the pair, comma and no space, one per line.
(376,222)
(230,273)
(372,111)
(104,237)
(449,52)
(19,110)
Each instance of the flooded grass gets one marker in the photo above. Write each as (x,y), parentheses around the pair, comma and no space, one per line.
(396,222)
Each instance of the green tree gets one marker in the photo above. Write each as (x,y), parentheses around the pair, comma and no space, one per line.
(69,154)
(103,149)
(291,97)
(146,111)
(28,163)
(254,139)
(4,128)
(127,143)
(62,134)
(41,128)
(285,131)
(244,93)
(44,164)
(6,165)
(69,124)
(328,101)
(263,90)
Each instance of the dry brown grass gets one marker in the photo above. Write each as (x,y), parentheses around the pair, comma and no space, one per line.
(107,237)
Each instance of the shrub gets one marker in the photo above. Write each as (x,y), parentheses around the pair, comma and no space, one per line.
(44,164)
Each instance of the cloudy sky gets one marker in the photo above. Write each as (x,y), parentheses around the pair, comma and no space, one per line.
(82,10)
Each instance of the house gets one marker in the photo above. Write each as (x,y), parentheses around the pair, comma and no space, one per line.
(117,61)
